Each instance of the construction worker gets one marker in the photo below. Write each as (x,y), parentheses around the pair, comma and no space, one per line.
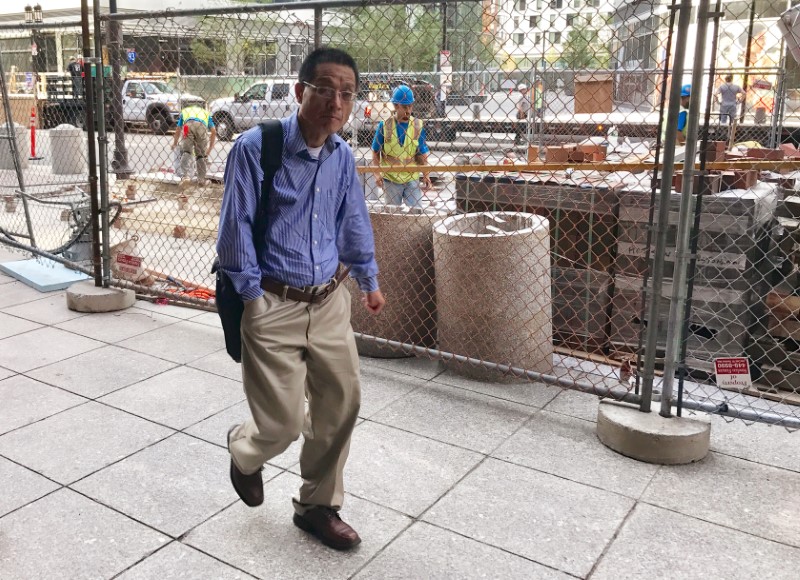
(399,141)
(538,99)
(683,116)
(199,135)
(524,107)
(729,95)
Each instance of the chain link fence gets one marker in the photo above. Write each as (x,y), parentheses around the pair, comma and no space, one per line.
(547,130)
(44,169)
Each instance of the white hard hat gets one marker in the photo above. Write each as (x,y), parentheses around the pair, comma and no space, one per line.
(522,87)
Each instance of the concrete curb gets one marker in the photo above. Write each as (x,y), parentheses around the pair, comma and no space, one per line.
(651,438)
(86,297)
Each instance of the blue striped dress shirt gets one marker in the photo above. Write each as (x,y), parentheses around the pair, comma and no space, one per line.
(316,216)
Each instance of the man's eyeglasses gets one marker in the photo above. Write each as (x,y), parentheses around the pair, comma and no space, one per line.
(328,93)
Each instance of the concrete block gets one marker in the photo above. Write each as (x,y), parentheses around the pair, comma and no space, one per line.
(384,468)
(547,519)
(66,535)
(86,297)
(69,446)
(42,274)
(650,437)
(283,551)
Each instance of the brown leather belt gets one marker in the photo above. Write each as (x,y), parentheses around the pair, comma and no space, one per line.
(302,295)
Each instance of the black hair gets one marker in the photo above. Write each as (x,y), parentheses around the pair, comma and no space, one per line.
(728,78)
(321,56)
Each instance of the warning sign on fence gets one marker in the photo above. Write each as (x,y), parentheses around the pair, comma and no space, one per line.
(129,267)
(733,372)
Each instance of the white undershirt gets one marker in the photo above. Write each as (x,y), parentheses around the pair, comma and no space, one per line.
(314,151)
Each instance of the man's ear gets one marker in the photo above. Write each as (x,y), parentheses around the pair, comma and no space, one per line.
(298,91)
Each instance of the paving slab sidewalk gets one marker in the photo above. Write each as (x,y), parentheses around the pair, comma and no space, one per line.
(113,465)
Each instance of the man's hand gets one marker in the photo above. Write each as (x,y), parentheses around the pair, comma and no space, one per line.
(379,180)
(373,301)
(426,183)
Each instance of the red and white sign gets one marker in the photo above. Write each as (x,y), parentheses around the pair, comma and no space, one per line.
(733,372)
(130,265)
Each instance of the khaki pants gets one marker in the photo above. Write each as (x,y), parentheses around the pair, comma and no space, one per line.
(292,351)
(195,141)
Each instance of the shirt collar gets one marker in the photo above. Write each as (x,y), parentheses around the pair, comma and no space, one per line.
(296,145)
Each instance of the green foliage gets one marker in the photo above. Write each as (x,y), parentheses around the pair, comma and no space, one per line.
(208,52)
(387,37)
(584,48)
(391,38)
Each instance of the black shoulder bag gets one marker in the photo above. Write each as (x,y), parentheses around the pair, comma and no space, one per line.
(229,304)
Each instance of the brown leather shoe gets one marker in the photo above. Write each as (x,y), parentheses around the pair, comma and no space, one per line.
(325,524)
(249,487)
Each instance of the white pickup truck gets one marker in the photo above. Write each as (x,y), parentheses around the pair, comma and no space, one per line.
(269,99)
(263,100)
(155,104)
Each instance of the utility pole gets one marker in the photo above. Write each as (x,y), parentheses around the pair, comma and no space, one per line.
(119,163)
(747,57)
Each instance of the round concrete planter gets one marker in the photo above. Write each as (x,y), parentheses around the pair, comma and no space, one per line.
(23,138)
(404,250)
(493,290)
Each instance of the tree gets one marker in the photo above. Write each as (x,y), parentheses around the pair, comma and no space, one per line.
(209,53)
(395,37)
(384,38)
(584,47)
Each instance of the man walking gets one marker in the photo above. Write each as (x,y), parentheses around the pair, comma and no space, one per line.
(524,106)
(399,141)
(297,342)
(728,95)
(75,71)
(199,135)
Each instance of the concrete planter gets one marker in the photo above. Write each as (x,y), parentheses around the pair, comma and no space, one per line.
(501,310)
(23,138)
(10,202)
(404,250)
(68,150)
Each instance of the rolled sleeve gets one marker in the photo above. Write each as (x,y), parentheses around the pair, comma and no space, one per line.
(377,141)
(237,253)
(422,146)
(355,242)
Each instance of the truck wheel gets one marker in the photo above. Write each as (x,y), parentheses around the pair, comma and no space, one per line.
(224,125)
(159,122)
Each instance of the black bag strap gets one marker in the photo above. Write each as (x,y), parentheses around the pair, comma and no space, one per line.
(271,160)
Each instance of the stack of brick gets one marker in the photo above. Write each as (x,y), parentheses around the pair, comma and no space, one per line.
(735,238)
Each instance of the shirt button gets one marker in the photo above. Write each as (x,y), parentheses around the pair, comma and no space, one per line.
(315,216)
(315,242)
(317,267)
(318,189)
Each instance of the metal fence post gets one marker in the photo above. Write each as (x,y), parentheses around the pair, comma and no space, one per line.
(102,139)
(677,307)
(91,149)
(662,223)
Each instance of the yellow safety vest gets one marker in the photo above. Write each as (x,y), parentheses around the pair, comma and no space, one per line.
(195,112)
(394,153)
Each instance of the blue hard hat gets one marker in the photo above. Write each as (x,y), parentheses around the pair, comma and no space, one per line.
(403,95)
(686,90)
